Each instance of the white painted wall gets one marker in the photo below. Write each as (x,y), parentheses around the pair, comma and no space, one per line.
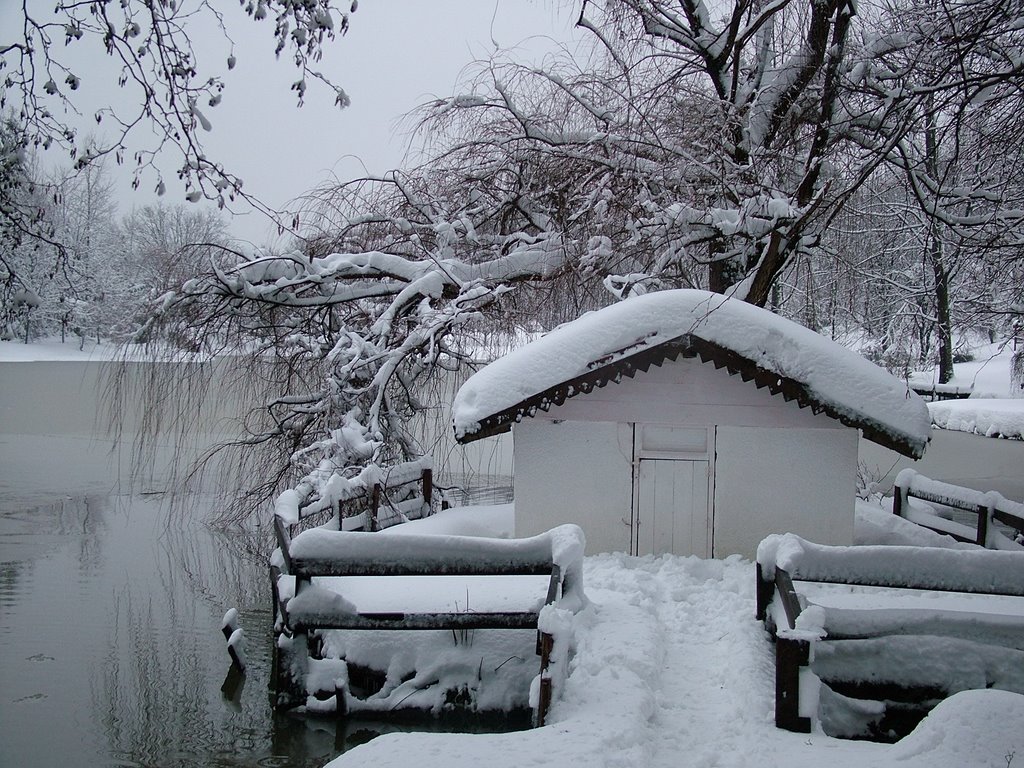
(974,461)
(772,480)
(786,469)
(575,472)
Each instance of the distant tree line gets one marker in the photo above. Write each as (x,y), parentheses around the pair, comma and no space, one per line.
(72,266)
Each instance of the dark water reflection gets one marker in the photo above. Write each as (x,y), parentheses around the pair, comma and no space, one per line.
(110,649)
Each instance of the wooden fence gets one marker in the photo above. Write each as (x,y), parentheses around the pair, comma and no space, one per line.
(785,561)
(301,613)
(986,507)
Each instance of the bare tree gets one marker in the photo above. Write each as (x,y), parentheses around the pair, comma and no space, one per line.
(150,44)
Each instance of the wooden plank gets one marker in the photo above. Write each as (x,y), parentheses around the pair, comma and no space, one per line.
(868,582)
(428,487)
(374,506)
(311,567)
(284,541)
(765,593)
(788,596)
(790,657)
(982,537)
(1008,518)
(553,585)
(302,621)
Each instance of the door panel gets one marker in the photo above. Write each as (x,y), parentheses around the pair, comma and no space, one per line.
(672,509)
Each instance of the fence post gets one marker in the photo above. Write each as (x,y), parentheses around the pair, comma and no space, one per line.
(765,593)
(790,657)
(984,513)
(898,500)
(545,691)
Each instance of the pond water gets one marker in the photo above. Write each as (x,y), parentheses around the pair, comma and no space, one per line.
(110,644)
(112,655)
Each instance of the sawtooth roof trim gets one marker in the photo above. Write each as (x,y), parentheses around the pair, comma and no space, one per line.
(614,366)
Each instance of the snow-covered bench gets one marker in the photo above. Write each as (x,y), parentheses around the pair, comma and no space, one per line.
(307,599)
(987,507)
(960,600)
(932,390)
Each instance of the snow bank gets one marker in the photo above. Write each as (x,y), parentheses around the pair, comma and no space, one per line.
(496,521)
(988,417)
(53,349)
(875,524)
(950,664)
(851,385)
(970,728)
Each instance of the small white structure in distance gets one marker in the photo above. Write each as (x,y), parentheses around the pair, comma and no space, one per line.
(685,422)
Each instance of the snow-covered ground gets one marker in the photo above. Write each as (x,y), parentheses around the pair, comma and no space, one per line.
(988,374)
(672,669)
(990,417)
(55,349)
(993,409)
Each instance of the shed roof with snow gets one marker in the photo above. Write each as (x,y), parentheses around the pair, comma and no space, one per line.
(757,345)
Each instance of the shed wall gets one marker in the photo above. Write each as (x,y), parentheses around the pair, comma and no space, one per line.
(780,468)
(575,472)
(771,480)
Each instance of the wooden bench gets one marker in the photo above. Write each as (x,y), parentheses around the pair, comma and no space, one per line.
(303,608)
(987,507)
(934,391)
(784,561)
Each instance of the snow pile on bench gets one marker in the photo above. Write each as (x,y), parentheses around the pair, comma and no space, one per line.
(952,570)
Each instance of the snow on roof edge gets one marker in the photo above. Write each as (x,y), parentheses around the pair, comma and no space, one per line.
(606,345)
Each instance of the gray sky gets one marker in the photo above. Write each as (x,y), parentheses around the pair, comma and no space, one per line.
(396,55)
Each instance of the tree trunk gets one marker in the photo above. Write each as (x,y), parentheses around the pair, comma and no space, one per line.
(942,311)
(934,254)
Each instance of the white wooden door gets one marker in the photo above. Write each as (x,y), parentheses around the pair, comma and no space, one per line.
(672,510)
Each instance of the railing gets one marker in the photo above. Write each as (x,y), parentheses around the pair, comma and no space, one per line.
(385,501)
(301,610)
(784,560)
(987,507)
(934,391)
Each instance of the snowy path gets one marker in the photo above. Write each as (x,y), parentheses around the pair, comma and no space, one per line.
(672,671)
(710,671)
(705,662)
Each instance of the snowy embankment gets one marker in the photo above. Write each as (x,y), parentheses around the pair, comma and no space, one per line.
(672,669)
(992,410)
(983,416)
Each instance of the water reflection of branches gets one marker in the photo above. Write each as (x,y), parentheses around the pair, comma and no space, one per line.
(187,421)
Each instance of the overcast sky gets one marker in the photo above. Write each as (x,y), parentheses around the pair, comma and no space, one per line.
(396,55)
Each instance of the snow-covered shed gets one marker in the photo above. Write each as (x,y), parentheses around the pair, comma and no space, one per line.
(685,422)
